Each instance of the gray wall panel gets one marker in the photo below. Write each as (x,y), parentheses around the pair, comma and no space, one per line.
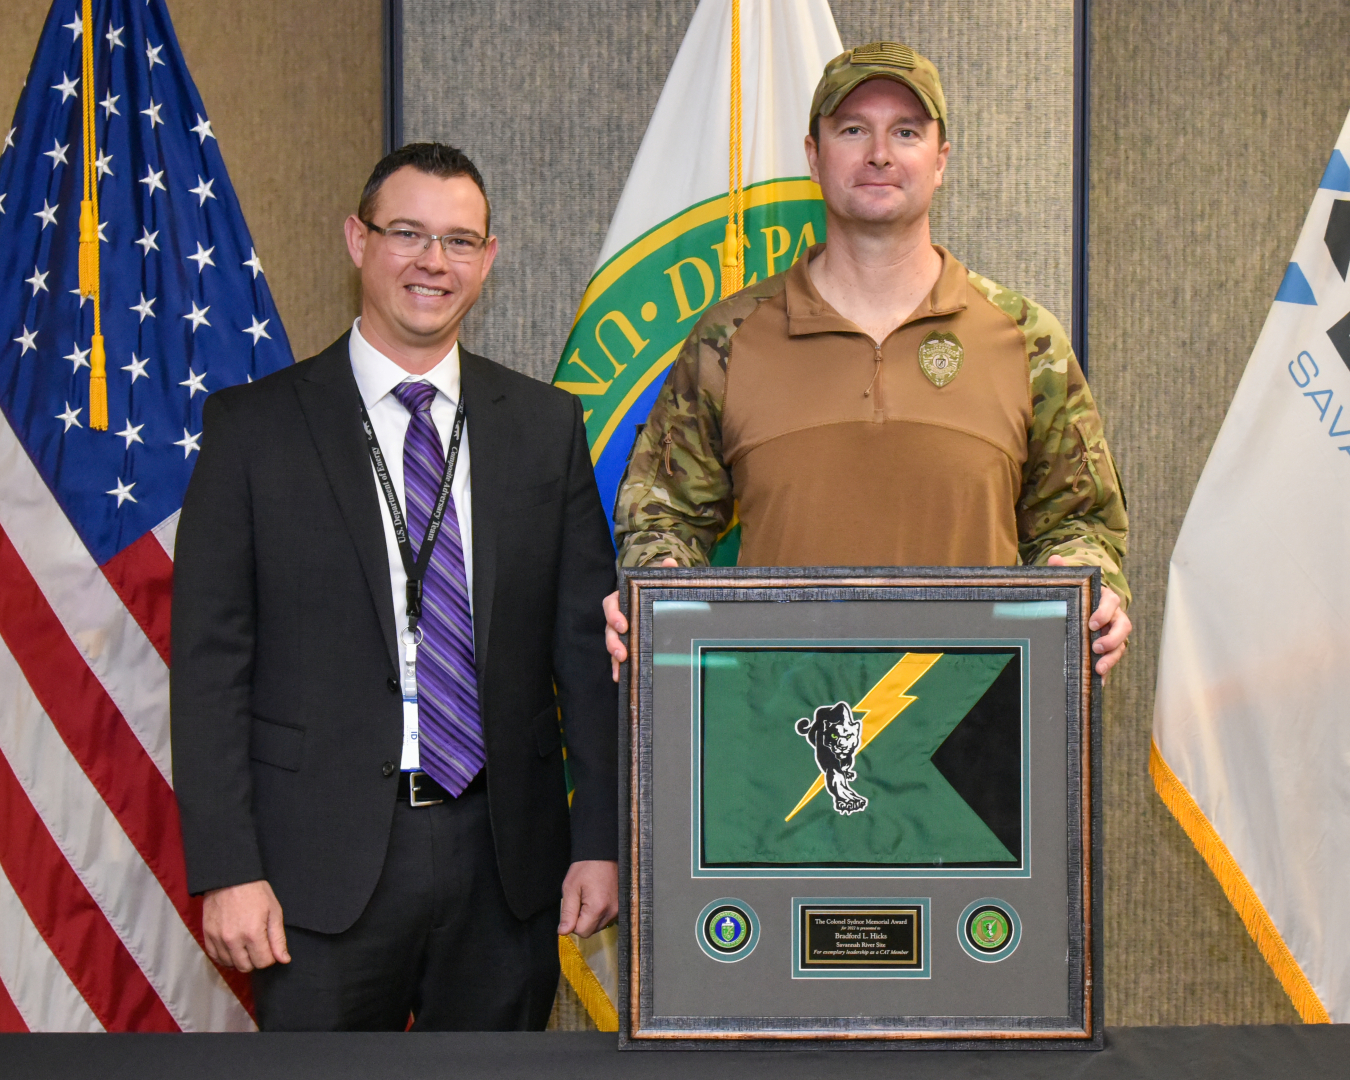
(551,99)
(1212,123)
(1006,208)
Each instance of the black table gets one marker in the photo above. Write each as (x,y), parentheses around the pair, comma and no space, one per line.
(1230,1053)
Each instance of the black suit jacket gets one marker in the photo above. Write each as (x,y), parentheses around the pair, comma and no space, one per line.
(286,714)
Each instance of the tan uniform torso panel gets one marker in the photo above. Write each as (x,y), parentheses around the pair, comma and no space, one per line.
(817,415)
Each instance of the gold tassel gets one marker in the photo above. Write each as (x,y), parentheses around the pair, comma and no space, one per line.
(98,385)
(729,246)
(89,268)
(88,249)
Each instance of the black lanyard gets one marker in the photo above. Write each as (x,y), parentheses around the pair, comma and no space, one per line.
(415,568)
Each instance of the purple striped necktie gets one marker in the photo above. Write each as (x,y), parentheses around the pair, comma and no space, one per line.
(450,730)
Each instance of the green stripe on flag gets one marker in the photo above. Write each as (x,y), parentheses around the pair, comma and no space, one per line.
(641,305)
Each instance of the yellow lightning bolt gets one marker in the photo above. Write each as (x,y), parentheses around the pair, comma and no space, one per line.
(880,705)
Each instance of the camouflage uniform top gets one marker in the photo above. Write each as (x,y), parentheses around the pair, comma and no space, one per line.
(835,450)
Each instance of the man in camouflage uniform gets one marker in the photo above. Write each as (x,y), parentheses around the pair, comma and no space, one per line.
(877,403)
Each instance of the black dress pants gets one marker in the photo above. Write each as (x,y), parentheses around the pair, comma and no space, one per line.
(436,941)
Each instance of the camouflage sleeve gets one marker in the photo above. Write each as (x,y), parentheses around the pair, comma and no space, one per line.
(676,498)
(1072,503)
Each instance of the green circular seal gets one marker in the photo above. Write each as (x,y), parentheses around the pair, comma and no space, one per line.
(727,930)
(989,929)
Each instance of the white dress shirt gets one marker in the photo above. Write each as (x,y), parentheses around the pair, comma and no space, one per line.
(376,378)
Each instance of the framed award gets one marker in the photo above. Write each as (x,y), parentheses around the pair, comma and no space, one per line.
(859,807)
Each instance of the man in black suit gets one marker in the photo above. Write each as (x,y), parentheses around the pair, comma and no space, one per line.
(380,829)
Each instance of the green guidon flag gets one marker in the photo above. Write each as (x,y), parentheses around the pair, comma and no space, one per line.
(661,264)
(886,757)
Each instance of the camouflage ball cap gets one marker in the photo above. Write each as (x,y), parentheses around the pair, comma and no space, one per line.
(884,60)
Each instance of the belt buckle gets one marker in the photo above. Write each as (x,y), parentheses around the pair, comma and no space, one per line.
(414,778)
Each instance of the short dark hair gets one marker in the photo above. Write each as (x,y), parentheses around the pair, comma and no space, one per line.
(432,158)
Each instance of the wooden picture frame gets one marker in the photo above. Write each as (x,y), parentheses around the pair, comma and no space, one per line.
(916,896)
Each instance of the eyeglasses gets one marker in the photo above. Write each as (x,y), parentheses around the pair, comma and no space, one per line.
(458,246)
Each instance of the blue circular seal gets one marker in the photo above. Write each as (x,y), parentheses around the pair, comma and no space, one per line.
(989,930)
(727,930)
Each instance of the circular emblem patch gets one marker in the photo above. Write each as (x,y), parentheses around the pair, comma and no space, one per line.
(727,930)
(989,930)
(940,357)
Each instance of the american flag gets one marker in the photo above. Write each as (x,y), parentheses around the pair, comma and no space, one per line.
(97,931)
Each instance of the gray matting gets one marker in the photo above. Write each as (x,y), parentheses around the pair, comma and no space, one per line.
(1033,981)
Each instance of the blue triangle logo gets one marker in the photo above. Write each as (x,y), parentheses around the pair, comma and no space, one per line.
(1337,176)
(1294,289)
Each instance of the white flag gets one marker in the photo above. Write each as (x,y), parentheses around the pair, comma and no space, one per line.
(661,263)
(1251,725)
(785,45)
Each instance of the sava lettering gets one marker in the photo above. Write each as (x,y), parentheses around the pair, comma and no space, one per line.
(1304,370)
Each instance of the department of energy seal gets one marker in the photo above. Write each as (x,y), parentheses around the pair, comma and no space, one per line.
(727,930)
(989,930)
(940,357)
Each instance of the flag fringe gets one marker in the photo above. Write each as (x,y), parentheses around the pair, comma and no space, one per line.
(588,988)
(1237,888)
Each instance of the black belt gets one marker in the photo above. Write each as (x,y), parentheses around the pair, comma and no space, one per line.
(429,793)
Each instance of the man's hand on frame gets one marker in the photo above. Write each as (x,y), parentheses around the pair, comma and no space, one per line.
(616,626)
(590,899)
(1110,647)
(242,927)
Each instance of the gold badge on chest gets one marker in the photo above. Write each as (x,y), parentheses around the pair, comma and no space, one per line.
(940,357)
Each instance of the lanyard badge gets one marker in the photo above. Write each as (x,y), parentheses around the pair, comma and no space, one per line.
(412,637)
(415,568)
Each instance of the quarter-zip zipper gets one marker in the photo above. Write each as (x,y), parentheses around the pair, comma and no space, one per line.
(874,387)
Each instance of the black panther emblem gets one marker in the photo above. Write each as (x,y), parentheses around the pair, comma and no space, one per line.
(836,734)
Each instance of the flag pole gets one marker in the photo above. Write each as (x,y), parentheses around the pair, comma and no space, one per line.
(89,268)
